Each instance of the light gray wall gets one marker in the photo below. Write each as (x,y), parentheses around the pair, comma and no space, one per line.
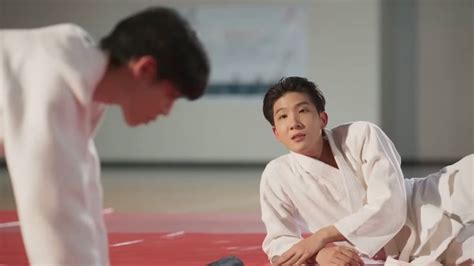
(344,58)
(427,78)
(407,65)
(399,75)
(446,71)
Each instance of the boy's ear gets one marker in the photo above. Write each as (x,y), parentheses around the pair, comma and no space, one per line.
(275,133)
(324,119)
(144,68)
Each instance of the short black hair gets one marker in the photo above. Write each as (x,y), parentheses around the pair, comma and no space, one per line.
(292,84)
(166,36)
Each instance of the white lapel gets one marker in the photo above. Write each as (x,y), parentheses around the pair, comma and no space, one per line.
(314,167)
(319,180)
(354,190)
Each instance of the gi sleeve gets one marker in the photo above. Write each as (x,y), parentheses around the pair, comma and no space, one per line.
(54,170)
(384,214)
(278,213)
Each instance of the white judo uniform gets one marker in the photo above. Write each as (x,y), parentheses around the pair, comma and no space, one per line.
(47,124)
(368,200)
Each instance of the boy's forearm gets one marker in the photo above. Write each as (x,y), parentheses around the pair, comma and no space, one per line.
(322,237)
(329,234)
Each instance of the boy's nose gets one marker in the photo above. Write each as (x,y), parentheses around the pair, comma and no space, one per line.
(296,125)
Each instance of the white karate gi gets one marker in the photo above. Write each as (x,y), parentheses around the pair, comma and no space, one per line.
(366,199)
(47,124)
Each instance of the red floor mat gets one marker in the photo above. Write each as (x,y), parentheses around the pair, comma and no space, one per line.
(176,247)
(187,249)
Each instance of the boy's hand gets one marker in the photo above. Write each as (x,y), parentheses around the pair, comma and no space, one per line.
(338,255)
(301,252)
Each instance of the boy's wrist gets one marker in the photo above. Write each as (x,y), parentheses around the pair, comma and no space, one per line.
(319,239)
(328,235)
(321,236)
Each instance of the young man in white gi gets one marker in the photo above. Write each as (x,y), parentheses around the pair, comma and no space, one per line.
(54,82)
(346,185)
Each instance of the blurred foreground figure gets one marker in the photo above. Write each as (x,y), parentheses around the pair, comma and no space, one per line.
(54,84)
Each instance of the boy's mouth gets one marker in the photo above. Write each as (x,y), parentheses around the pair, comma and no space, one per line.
(298,137)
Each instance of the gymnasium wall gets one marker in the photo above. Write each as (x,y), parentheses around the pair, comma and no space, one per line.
(342,51)
(405,66)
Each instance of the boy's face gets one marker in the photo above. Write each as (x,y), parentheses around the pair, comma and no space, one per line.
(298,125)
(146,98)
(145,104)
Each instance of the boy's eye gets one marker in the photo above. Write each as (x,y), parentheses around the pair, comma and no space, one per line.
(304,110)
(282,117)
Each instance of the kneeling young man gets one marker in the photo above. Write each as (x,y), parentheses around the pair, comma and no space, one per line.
(345,186)
(54,84)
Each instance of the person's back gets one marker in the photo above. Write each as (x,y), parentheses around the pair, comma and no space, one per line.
(52,52)
(54,84)
(48,77)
